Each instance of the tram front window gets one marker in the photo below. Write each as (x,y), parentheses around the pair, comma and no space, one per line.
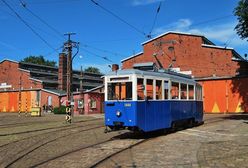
(120,91)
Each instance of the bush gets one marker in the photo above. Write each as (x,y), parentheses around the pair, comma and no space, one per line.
(59,110)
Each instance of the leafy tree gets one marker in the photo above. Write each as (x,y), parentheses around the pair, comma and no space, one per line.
(92,70)
(39,60)
(241,11)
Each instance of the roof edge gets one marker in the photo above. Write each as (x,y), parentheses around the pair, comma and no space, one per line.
(172,32)
(132,56)
(9,61)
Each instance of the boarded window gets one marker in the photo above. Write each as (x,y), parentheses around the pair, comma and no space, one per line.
(191,92)
(183,91)
(140,89)
(174,90)
(166,90)
(158,89)
(149,89)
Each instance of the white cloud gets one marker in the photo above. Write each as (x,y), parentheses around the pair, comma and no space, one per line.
(144,2)
(219,33)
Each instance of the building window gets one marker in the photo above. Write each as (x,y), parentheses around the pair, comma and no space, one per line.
(92,103)
(80,104)
(149,89)
(183,91)
(174,90)
(158,89)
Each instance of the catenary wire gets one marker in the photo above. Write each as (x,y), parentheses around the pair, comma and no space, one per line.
(119,18)
(96,55)
(155,19)
(24,5)
(21,19)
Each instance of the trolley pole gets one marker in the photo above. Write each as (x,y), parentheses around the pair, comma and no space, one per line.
(68,46)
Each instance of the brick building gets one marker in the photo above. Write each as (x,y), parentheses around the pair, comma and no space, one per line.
(41,85)
(221,71)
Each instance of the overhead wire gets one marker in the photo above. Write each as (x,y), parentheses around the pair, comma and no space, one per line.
(119,18)
(96,55)
(27,24)
(24,5)
(155,19)
(101,50)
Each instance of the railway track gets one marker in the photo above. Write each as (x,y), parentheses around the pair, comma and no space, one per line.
(44,129)
(109,157)
(15,157)
(54,130)
(12,125)
(96,147)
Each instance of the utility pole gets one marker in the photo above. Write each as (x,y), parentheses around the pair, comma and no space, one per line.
(68,46)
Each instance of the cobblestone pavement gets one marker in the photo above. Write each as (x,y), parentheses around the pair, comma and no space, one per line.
(48,142)
(215,144)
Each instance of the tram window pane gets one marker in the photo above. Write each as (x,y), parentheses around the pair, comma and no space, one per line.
(174,90)
(191,92)
(198,93)
(149,89)
(166,90)
(158,89)
(140,89)
(120,91)
(183,91)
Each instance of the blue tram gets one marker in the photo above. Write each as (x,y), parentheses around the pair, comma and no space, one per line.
(148,101)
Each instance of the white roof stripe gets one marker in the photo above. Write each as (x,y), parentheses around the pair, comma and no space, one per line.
(214,46)
(131,56)
(172,32)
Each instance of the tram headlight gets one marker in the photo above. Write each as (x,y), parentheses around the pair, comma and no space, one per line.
(118,113)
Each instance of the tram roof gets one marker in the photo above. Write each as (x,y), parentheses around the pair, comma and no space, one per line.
(160,73)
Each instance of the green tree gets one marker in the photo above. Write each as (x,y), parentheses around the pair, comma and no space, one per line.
(92,70)
(241,11)
(39,60)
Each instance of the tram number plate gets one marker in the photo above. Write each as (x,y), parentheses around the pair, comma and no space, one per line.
(127,105)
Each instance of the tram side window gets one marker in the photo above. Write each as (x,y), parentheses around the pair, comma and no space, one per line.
(166,90)
(149,89)
(183,91)
(174,90)
(198,92)
(191,92)
(120,91)
(158,89)
(140,89)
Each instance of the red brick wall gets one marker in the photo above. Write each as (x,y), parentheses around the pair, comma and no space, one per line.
(44,99)
(10,74)
(188,54)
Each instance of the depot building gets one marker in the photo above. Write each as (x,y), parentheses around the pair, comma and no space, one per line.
(221,71)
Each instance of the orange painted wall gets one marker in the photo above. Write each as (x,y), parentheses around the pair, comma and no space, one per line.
(225,96)
(9,101)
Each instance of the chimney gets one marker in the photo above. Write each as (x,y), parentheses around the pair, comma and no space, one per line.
(62,71)
(115,67)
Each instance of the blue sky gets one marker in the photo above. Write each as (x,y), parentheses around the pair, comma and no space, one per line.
(96,29)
